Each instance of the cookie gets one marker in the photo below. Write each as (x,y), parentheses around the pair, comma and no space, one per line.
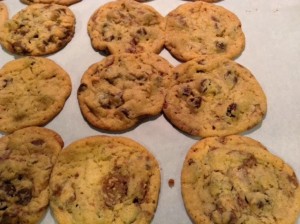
(234,179)
(104,179)
(198,28)
(116,93)
(26,160)
(3,13)
(59,2)
(127,26)
(39,29)
(214,96)
(33,90)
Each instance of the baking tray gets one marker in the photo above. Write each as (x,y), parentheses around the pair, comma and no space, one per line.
(272,54)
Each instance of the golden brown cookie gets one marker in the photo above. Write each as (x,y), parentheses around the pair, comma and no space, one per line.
(3,13)
(39,29)
(33,91)
(118,92)
(198,28)
(104,179)
(214,96)
(127,26)
(26,160)
(234,179)
(59,2)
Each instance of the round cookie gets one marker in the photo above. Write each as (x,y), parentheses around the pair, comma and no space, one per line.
(59,2)
(234,179)
(122,89)
(26,160)
(127,26)
(214,96)
(198,28)
(3,13)
(39,29)
(33,91)
(104,179)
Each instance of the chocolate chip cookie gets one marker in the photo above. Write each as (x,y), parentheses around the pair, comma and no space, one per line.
(39,29)
(214,96)
(127,26)
(234,179)
(118,92)
(104,179)
(59,2)
(33,90)
(26,160)
(199,28)
(3,13)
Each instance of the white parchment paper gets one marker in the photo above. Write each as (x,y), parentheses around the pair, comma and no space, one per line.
(272,53)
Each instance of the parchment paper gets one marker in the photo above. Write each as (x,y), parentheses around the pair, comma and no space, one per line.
(272,53)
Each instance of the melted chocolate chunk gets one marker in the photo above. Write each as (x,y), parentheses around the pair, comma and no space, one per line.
(231,110)
(24,196)
(38,142)
(82,88)
(9,188)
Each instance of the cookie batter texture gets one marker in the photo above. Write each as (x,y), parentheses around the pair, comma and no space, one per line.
(39,29)
(104,179)
(59,2)
(127,26)
(33,90)
(234,179)
(26,160)
(116,93)
(199,28)
(214,96)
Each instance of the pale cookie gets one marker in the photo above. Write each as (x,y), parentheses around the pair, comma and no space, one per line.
(199,28)
(234,179)
(39,29)
(105,180)
(26,160)
(3,13)
(59,2)
(127,26)
(32,92)
(214,96)
(118,92)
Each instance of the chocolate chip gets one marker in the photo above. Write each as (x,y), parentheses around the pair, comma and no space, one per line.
(171,183)
(186,91)
(24,196)
(38,142)
(115,187)
(231,78)
(191,161)
(231,110)
(9,188)
(221,47)
(195,102)
(7,82)
(205,83)
(142,31)
(3,205)
(82,88)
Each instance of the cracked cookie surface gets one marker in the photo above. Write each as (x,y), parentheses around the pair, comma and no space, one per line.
(119,91)
(127,26)
(214,96)
(103,179)
(59,2)
(33,91)
(198,28)
(26,160)
(39,29)
(234,179)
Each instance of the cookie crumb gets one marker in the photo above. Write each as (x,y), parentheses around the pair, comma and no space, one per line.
(171,183)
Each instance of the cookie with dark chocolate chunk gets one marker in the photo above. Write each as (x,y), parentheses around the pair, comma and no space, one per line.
(33,90)
(234,179)
(39,29)
(127,26)
(116,93)
(214,96)
(198,28)
(104,179)
(26,160)
(59,2)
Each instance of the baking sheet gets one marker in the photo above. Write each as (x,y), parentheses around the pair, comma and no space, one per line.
(272,53)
